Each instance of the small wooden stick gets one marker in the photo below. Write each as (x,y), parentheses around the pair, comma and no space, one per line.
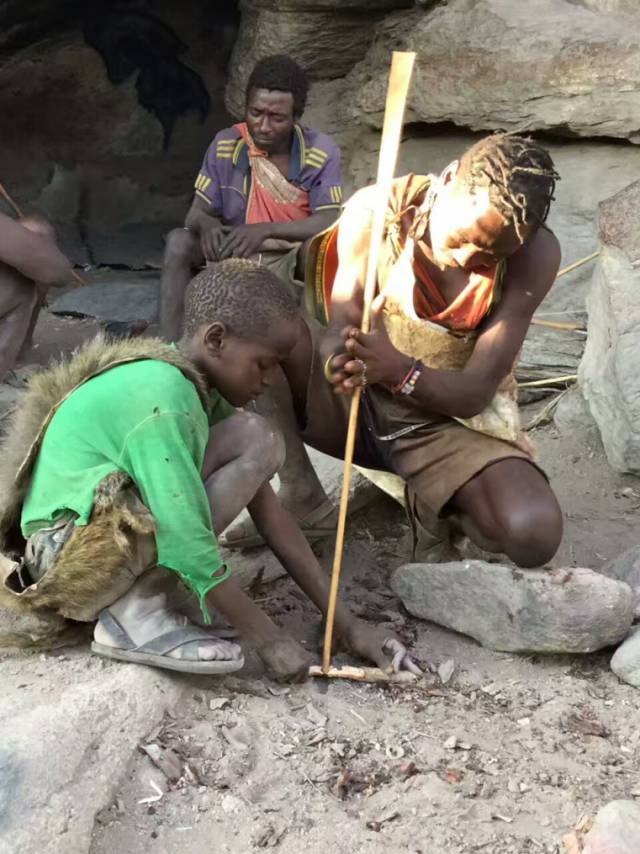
(577,264)
(6,195)
(362,674)
(559,324)
(18,213)
(399,79)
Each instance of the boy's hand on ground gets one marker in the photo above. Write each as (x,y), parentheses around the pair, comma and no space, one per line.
(285,660)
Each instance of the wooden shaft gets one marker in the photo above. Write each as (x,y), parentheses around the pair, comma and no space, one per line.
(398,88)
(559,324)
(577,264)
(6,195)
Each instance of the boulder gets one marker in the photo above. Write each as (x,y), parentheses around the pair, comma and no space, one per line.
(610,370)
(326,38)
(486,64)
(572,417)
(512,610)
(68,736)
(616,830)
(626,660)
(626,567)
(628,7)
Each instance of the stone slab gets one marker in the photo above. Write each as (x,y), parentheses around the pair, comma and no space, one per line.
(507,609)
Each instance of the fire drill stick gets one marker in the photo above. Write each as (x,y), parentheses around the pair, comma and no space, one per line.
(398,87)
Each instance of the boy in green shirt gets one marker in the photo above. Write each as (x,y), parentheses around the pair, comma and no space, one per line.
(131,456)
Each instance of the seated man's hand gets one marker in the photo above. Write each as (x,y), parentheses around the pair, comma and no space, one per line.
(285,660)
(212,236)
(245,240)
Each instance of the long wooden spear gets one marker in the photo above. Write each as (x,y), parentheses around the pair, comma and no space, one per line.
(398,88)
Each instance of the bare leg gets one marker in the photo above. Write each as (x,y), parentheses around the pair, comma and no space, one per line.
(182,259)
(242,454)
(509,507)
(301,492)
(18,298)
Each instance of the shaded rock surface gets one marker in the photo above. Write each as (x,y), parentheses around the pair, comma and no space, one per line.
(327,39)
(626,567)
(626,660)
(551,611)
(616,830)
(63,754)
(609,371)
(120,301)
(544,65)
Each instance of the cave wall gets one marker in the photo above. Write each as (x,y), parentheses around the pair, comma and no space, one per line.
(109,105)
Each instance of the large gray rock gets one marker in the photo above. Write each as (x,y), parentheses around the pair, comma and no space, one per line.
(628,7)
(69,730)
(626,567)
(550,611)
(616,830)
(626,660)
(326,38)
(610,369)
(485,64)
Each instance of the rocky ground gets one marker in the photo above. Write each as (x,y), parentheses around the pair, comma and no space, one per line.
(490,752)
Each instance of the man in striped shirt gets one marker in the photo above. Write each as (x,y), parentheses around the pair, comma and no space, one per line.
(266,185)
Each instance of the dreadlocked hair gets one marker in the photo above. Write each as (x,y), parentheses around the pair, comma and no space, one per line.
(519,174)
(284,74)
(246,297)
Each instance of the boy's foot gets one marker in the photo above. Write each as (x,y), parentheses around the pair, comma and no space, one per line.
(165,639)
(315,525)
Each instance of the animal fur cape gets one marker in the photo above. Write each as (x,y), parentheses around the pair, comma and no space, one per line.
(93,557)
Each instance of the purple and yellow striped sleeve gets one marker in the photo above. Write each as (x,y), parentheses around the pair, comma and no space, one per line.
(207,183)
(325,192)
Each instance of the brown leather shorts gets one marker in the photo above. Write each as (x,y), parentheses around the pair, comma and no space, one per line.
(434,455)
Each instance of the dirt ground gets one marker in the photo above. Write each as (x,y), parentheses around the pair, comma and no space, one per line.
(504,756)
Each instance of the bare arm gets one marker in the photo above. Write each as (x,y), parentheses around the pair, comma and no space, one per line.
(245,240)
(462,394)
(283,535)
(200,216)
(33,252)
(303,229)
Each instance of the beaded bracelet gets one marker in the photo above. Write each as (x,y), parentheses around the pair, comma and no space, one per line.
(399,386)
(409,385)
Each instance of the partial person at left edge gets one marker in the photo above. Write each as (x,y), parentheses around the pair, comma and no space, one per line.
(266,186)
(30,263)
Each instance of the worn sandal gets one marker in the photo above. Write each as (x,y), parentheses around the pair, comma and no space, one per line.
(154,652)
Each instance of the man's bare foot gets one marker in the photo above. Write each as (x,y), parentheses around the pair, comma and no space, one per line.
(316,524)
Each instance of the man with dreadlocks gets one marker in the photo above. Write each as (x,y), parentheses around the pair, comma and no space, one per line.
(465,262)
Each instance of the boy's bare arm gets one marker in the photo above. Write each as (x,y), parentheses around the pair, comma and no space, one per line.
(32,251)
(283,535)
(283,657)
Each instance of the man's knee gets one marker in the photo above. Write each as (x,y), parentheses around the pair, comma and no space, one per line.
(264,442)
(180,245)
(530,534)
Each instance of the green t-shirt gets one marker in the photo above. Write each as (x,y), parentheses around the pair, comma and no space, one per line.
(144,418)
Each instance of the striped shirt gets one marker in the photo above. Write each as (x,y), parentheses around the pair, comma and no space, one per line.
(224,179)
